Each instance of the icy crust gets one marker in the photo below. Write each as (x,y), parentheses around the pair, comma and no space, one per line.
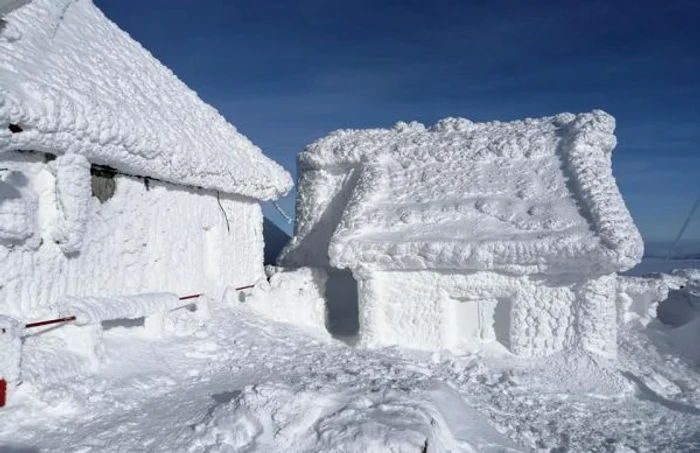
(75,83)
(94,310)
(532,196)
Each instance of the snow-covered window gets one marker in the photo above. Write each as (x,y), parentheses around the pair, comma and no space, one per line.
(103,182)
(17,208)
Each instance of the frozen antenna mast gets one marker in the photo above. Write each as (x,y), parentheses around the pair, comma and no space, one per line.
(691,214)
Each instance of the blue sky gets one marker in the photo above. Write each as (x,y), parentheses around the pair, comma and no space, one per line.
(287,72)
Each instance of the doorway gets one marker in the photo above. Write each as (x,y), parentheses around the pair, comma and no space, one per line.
(482,320)
(341,299)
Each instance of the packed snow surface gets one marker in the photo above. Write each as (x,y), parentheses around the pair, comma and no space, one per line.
(244,384)
(73,82)
(530,196)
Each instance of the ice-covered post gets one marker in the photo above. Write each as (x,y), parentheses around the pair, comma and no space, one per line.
(596,317)
(368,307)
(10,354)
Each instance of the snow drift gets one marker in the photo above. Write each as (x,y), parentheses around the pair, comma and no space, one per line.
(394,417)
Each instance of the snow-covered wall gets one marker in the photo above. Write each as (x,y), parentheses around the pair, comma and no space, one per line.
(146,236)
(72,82)
(322,195)
(438,310)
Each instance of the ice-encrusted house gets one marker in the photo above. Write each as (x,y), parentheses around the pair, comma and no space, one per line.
(115,178)
(465,233)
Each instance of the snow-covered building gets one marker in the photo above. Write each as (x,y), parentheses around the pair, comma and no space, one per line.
(464,233)
(115,178)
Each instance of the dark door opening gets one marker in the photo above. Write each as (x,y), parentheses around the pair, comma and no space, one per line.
(341,300)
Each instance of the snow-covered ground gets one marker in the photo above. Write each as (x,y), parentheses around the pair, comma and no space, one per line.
(245,384)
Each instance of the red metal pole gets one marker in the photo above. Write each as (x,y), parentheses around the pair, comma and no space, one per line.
(50,321)
(244,287)
(3,392)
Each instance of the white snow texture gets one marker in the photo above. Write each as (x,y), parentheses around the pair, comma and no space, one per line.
(294,296)
(94,310)
(73,82)
(279,417)
(532,196)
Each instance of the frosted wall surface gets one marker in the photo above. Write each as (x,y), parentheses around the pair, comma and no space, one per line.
(143,238)
(435,310)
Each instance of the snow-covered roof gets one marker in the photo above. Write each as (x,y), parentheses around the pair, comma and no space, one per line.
(73,82)
(526,196)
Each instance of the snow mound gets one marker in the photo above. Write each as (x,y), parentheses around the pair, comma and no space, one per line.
(72,82)
(683,302)
(526,196)
(638,298)
(398,417)
(294,296)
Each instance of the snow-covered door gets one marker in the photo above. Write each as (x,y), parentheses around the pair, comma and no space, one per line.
(475,320)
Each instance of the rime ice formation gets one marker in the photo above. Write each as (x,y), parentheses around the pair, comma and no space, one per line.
(465,233)
(75,83)
(115,178)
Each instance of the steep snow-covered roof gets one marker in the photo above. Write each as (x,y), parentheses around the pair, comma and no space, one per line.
(75,83)
(527,196)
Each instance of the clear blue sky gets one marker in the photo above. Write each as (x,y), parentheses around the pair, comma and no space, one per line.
(287,72)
